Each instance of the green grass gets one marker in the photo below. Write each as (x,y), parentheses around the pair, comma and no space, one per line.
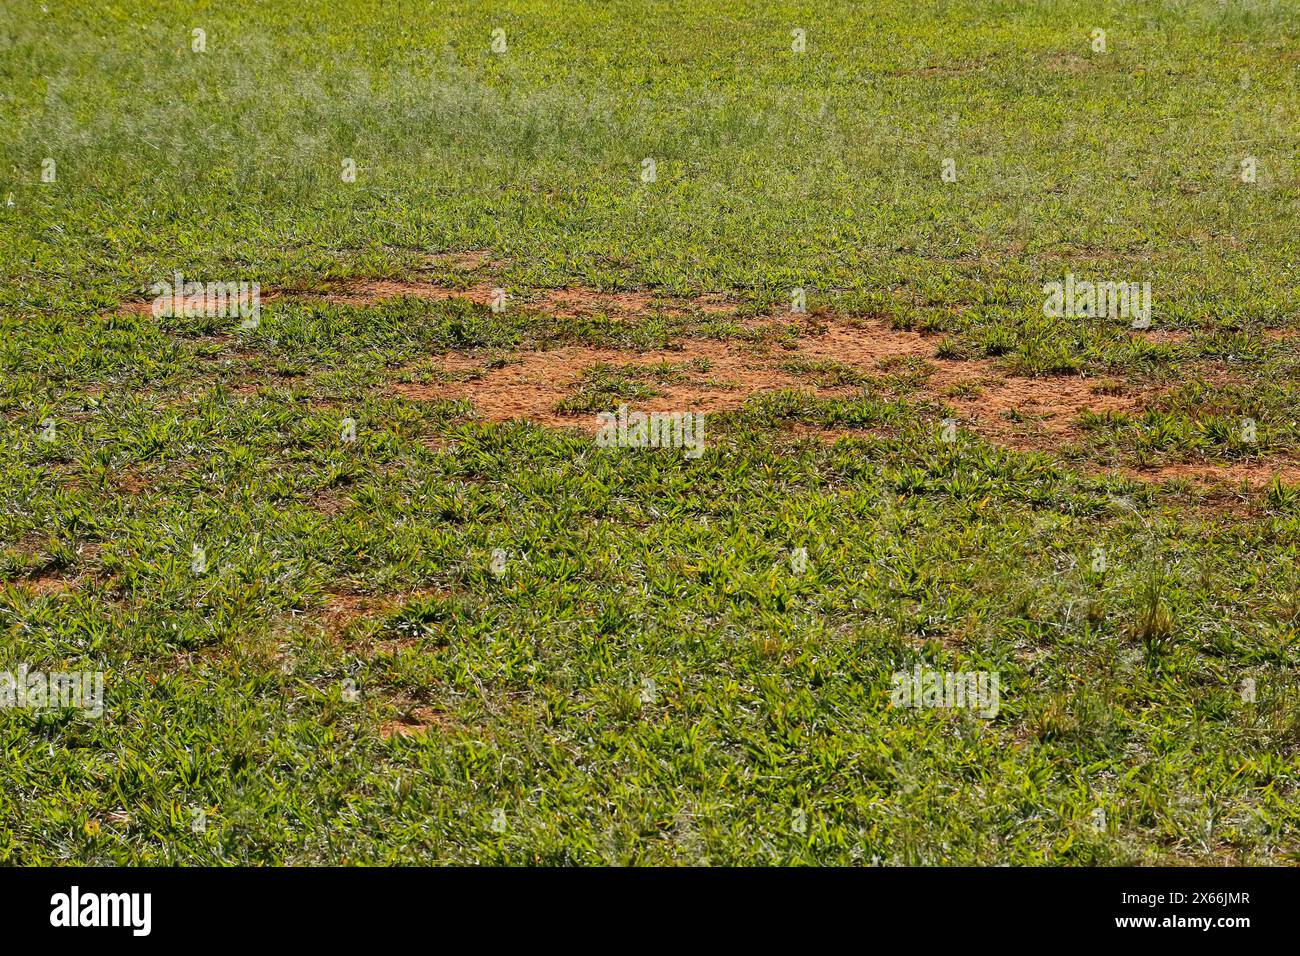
(604,386)
(648,679)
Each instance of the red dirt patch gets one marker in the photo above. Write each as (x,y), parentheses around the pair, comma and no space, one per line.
(714,376)
(366,291)
(329,502)
(531,387)
(1163,336)
(866,342)
(343,610)
(1023,413)
(559,302)
(180,303)
(1255,474)
(531,384)
(131,482)
(1034,413)
(40,585)
(418,721)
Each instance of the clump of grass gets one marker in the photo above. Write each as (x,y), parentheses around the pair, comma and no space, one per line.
(1153,625)
(1283,496)
(998,340)
(950,348)
(827,373)
(603,386)
(624,703)
(1108,420)
(1042,358)
(963,390)
(422,616)
(1053,720)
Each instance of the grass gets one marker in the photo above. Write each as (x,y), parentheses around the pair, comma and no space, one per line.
(605,386)
(398,642)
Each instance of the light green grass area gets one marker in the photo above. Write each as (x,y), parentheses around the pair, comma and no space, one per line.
(615,655)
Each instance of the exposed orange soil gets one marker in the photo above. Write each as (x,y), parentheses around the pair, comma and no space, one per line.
(43,584)
(531,384)
(1252,473)
(1023,413)
(366,291)
(1047,409)
(131,482)
(180,303)
(413,723)
(559,302)
(343,610)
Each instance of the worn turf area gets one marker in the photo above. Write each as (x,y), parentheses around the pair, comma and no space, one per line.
(365,586)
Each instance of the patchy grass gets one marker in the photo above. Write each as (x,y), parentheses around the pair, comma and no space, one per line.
(414,636)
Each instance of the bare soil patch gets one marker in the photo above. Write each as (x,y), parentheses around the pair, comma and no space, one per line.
(710,375)
(559,302)
(565,302)
(721,375)
(46,583)
(1024,413)
(180,304)
(344,611)
(1255,474)
(1034,413)
(413,723)
(532,384)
